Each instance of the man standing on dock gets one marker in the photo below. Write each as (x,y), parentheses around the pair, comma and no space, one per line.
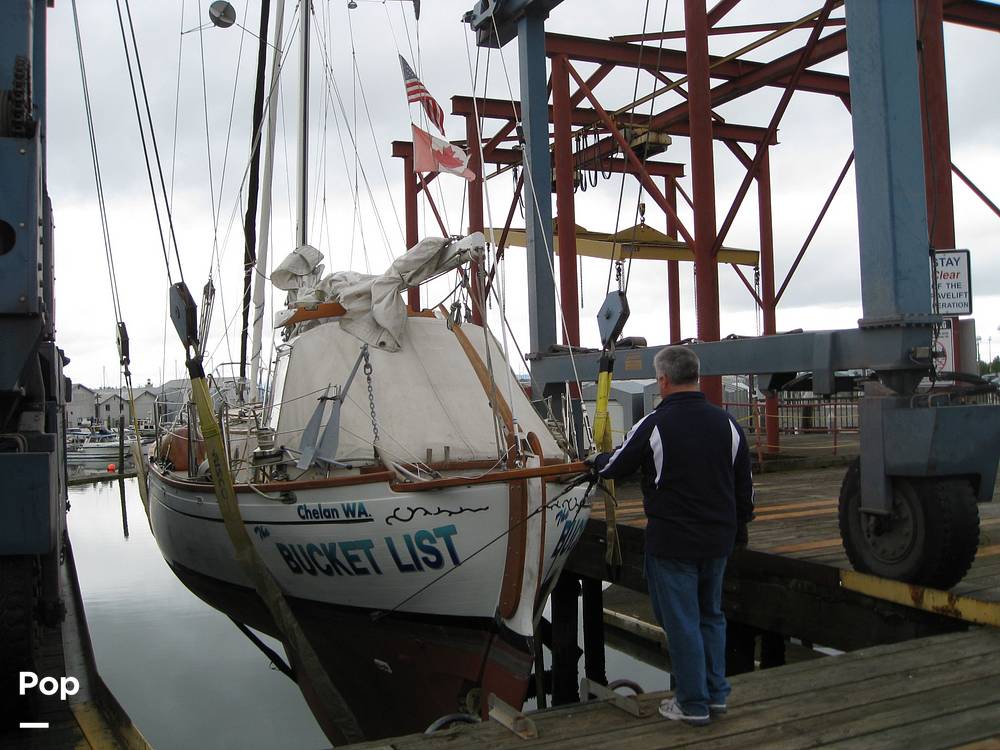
(698,498)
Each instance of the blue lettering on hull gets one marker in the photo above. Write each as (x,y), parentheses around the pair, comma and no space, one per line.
(429,549)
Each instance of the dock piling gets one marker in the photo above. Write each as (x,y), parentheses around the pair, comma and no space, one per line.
(565,652)
(593,630)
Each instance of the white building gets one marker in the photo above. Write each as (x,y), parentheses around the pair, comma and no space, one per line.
(80,410)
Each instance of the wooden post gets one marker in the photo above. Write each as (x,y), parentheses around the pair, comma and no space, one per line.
(121,445)
(741,641)
(565,652)
(593,631)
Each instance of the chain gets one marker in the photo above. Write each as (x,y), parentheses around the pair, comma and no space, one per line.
(371,392)
(619,278)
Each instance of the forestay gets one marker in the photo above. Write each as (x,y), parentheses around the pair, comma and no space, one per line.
(427,395)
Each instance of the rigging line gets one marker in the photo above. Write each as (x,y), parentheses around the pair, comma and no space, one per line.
(152,133)
(406,28)
(222,303)
(271,100)
(331,83)
(379,614)
(145,150)
(318,175)
(326,225)
(621,188)
(322,232)
(355,217)
(381,164)
(474,75)
(108,255)
(177,107)
(343,151)
(652,101)
(232,110)
(530,182)
(208,150)
(163,353)
(364,174)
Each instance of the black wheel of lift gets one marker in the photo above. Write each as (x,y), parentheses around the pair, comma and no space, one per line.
(930,538)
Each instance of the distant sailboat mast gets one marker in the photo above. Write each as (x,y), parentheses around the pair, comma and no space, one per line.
(265,209)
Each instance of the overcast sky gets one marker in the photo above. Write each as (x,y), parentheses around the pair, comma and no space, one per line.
(360,107)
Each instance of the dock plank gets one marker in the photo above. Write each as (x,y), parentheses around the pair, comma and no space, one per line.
(931,693)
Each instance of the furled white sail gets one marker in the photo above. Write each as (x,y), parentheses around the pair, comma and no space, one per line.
(427,394)
(376,312)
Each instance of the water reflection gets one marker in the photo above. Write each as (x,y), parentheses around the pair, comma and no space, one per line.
(185,675)
(183,672)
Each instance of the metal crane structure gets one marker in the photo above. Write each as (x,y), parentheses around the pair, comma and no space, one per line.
(908,508)
(33,390)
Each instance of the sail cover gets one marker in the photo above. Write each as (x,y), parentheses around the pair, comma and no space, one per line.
(427,396)
(375,311)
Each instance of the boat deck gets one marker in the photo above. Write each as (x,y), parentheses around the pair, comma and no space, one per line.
(936,692)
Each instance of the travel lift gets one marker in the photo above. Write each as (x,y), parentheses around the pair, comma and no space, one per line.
(908,508)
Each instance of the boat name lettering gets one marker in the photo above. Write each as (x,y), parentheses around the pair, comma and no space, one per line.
(426,549)
(336,512)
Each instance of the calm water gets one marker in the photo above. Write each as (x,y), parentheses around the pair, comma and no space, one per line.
(181,670)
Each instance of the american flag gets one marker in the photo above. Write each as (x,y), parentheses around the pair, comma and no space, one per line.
(417,92)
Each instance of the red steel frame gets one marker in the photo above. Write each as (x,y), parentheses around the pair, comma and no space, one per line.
(696,119)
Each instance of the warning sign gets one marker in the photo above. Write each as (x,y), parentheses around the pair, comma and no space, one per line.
(953,282)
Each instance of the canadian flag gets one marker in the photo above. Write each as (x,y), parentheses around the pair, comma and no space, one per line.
(432,154)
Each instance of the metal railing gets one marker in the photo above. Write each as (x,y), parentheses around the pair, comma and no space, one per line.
(804,415)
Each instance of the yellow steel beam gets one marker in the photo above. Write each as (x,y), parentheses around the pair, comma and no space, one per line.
(923,598)
(636,243)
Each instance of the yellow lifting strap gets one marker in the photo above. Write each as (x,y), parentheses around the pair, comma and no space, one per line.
(311,671)
(603,443)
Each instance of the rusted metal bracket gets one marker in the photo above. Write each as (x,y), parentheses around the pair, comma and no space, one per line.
(627,703)
(508,716)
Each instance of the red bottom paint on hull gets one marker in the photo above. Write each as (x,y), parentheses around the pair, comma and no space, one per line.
(397,673)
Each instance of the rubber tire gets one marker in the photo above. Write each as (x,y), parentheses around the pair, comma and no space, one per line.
(947,519)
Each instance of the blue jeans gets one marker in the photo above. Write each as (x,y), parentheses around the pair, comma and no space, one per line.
(687,601)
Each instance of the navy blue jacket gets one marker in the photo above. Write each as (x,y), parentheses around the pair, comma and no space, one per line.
(696,483)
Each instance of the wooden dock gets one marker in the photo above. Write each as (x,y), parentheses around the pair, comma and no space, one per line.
(794,577)
(936,692)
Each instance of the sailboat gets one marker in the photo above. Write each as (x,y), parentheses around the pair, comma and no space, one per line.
(397,484)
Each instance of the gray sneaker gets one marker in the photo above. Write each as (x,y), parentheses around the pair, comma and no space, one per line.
(671,709)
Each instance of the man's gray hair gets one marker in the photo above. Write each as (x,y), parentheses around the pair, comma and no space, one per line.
(678,363)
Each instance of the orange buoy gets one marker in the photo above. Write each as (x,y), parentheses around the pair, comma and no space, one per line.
(112,468)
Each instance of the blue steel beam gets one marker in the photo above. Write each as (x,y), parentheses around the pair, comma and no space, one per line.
(821,352)
(888,144)
(495,22)
(538,185)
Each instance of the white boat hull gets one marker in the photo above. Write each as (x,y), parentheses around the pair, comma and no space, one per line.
(438,552)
